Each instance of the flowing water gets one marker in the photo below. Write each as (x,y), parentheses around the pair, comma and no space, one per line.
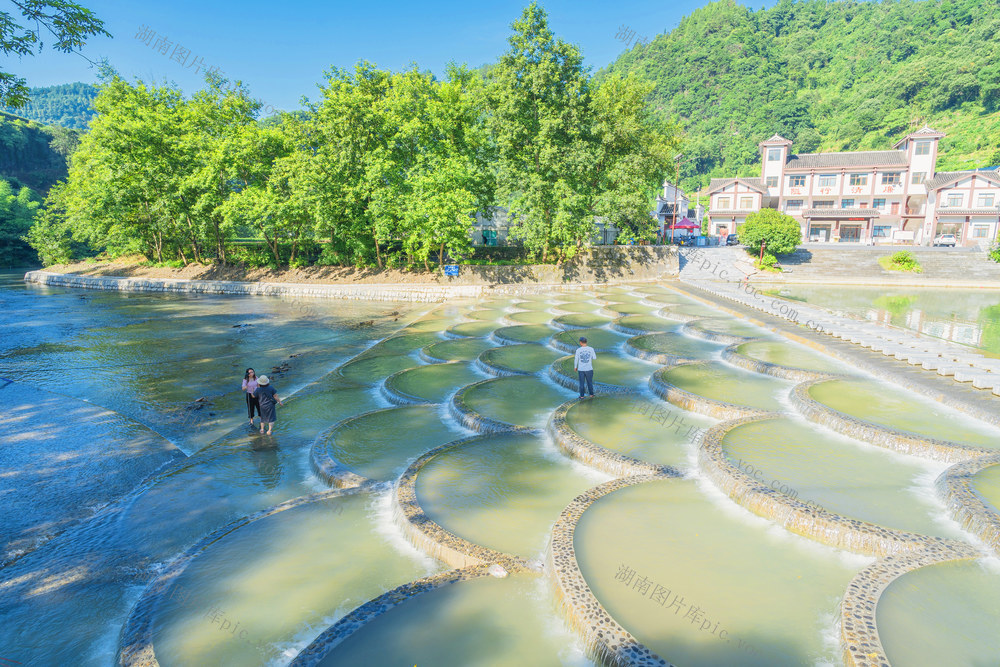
(125,453)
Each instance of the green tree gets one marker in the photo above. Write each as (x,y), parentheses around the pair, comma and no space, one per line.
(538,95)
(17,212)
(779,234)
(69,23)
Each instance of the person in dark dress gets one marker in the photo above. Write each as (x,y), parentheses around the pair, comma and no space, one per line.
(249,386)
(267,396)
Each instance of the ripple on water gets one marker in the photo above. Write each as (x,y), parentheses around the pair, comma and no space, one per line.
(518,400)
(987,484)
(839,474)
(261,592)
(614,423)
(599,339)
(786,353)
(485,621)
(612,369)
(526,333)
(944,614)
(378,445)
(676,344)
(503,492)
(433,383)
(738,595)
(890,406)
(721,382)
(583,320)
(463,349)
(527,358)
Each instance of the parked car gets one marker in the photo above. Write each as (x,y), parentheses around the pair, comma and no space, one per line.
(945,239)
(733,239)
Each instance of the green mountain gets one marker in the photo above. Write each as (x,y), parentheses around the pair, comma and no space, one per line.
(831,76)
(68,105)
(32,154)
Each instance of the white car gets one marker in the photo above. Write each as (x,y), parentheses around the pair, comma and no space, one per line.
(945,239)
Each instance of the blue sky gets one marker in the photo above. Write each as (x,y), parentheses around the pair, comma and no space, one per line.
(280,49)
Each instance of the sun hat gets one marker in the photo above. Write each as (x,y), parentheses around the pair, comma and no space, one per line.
(262,380)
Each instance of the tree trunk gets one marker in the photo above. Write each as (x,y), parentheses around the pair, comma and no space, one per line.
(441,258)
(378,255)
(180,251)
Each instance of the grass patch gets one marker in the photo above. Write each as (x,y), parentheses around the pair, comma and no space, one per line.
(900,261)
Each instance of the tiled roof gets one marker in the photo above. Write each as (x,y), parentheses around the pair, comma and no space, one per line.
(925,131)
(861,159)
(840,213)
(944,178)
(752,183)
(776,139)
(732,211)
(968,211)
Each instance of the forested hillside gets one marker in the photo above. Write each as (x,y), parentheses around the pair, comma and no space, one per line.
(32,154)
(841,75)
(68,105)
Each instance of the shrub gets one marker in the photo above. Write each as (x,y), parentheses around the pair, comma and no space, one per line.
(777,232)
(902,260)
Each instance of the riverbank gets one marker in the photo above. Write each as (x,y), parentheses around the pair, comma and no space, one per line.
(602,264)
(597,267)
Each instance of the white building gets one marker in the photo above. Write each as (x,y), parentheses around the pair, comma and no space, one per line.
(864,197)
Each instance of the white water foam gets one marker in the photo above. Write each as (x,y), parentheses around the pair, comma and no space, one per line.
(380,511)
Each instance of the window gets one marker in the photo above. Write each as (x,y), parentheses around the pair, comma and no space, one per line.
(722,203)
(746,202)
(796,181)
(823,204)
(859,179)
(890,178)
(881,231)
(980,232)
(954,201)
(923,148)
(985,200)
(773,154)
(771,181)
(793,205)
(846,203)
(919,177)
(878,204)
(827,180)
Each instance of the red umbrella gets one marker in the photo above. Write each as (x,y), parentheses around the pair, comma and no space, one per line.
(685,224)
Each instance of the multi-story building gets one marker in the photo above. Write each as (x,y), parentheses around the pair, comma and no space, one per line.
(864,197)
(673,206)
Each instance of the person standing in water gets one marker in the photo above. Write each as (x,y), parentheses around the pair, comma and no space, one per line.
(583,364)
(267,396)
(249,387)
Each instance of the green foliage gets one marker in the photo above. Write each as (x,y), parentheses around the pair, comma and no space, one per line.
(830,76)
(902,260)
(387,169)
(17,212)
(566,149)
(67,25)
(69,105)
(34,155)
(777,232)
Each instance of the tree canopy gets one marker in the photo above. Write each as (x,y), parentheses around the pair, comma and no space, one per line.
(779,234)
(384,169)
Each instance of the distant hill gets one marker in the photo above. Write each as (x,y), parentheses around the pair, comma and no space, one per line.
(837,75)
(32,154)
(68,105)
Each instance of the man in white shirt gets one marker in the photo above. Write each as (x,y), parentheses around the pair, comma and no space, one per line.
(583,364)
